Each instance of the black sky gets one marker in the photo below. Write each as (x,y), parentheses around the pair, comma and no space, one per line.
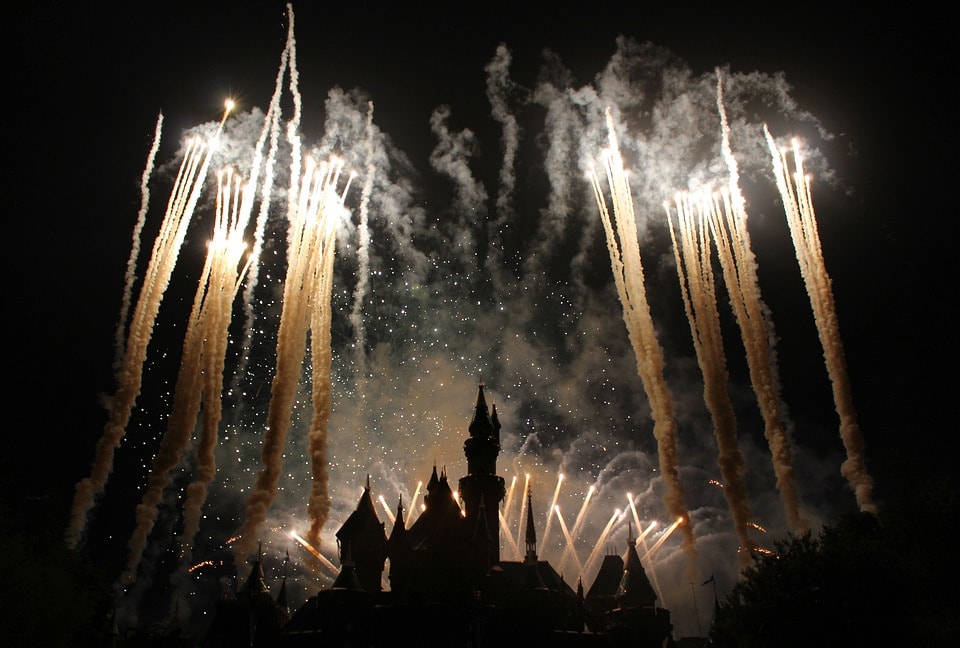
(84,84)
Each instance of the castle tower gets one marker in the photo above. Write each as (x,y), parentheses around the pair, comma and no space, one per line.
(482,483)
(363,538)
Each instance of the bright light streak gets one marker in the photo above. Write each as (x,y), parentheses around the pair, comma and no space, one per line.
(316,554)
(662,538)
(383,503)
(413,501)
(597,548)
(578,522)
(553,504)
(506,506)
(566,534)
(507,534)
(523,508)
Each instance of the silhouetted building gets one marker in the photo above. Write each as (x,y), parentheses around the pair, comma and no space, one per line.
(449,586)
(251,618)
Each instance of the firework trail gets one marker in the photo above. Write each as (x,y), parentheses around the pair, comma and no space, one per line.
(624,248)
(271,121)
(166,249)
(728,223)
(318,505)
(553,503)
(306,306)
(363,252)
(798,206)
(693,253)
(224,282)
(201,366)
(135,247)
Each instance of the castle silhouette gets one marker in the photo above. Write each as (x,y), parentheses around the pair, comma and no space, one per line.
(448,583)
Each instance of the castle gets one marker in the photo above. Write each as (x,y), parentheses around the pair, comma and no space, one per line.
(448,584)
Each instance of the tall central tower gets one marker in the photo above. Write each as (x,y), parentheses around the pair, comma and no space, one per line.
(482,490)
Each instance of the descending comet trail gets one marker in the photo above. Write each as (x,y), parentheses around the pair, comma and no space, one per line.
(201,367)
(306,307)
(729,226)
(691,243)
(166,249)
(624,247)
(798,205)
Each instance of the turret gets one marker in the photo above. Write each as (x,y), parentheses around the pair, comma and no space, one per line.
(364,537)
(482,483)
(635,589)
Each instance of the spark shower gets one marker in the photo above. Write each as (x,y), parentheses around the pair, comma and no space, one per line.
(342,331)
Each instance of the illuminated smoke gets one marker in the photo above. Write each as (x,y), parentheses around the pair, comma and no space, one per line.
(316,208)
(624,248)
(135,247)
(729,226)
(363,252)
(499,88)
(798,206)
(166,249)
(451,157)
(201,366)
(693,253)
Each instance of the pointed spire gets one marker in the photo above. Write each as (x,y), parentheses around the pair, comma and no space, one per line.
(635,589)
(399,531)
(255,582)
(481,426)
(531,537)
(368,481)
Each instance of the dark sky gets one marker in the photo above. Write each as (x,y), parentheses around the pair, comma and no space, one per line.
(85,84)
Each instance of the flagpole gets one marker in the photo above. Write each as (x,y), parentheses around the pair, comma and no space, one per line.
(696,609)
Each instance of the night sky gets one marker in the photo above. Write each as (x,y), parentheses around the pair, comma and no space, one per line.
(461,288)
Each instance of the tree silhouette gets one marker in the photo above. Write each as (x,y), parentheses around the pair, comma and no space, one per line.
(885,579)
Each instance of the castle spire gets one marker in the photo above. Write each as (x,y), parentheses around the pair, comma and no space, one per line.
(481,426)
(531,537)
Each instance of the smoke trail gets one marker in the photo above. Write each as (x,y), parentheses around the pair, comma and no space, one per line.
(363,253)
(798,206)
(166,249)
(318,505)
(450,157)
(201,365)
(135,247)
(315,207)
(624,248)
(498,88)
(224,284)
(692,251)
(729,226)
(272,119)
